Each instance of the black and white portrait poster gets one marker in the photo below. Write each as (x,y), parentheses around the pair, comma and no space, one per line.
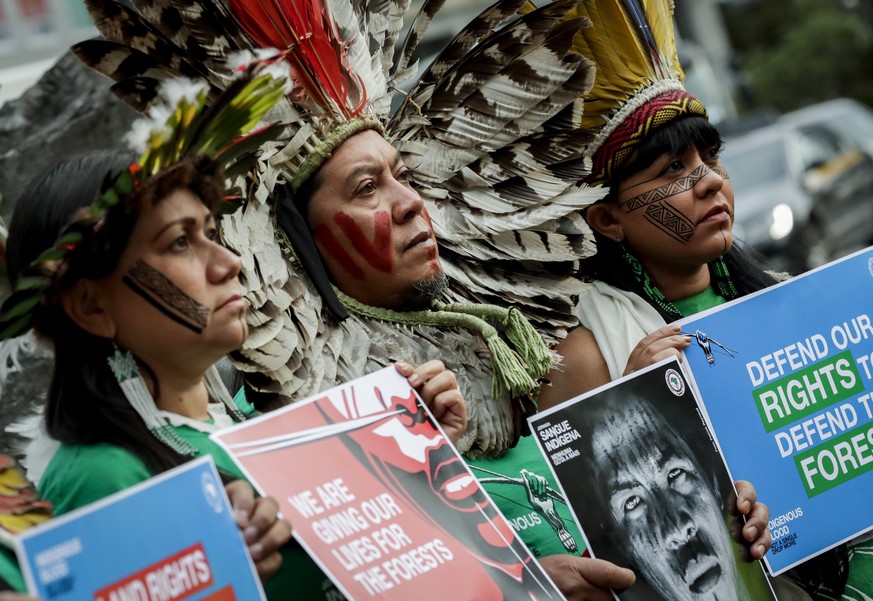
(645,482)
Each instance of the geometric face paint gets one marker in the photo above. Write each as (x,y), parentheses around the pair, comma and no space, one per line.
(721,171)
(670,221)
(662,214)
(166,297)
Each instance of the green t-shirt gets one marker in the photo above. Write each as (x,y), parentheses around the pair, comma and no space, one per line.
(539,515)
(81,474)
(701,301)
(9,571)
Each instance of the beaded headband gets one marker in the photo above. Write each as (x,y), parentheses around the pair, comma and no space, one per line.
(638,86)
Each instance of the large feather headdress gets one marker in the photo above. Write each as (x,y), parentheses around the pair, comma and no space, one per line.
(639,82)
(490,131)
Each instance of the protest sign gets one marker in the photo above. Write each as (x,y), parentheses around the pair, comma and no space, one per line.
(785,376)
(382,500)
(171,537)
(639,469)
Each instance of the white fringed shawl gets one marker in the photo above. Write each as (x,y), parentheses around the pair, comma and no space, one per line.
(619,320)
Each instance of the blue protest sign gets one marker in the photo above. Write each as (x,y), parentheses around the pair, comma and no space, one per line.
(786,376)
(172,537)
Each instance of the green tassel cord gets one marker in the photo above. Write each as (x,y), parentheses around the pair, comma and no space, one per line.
(514,372)
(527,342)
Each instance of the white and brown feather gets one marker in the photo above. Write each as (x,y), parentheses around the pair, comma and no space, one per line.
(488,131)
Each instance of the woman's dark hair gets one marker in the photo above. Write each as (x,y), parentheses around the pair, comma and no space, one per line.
(85,403)
(608,264)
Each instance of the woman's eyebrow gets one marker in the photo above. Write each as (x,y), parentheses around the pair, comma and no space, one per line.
(184,221)
(187,222)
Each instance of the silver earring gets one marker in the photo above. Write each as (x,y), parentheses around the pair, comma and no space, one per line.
(124,368)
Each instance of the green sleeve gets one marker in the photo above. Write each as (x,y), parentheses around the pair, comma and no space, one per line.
(242,403)
(81,474)
(9,571)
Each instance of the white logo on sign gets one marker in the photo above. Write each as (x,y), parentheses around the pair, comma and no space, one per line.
(675,382)
(212,492)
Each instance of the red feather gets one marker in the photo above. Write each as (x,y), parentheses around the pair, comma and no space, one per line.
(308,36)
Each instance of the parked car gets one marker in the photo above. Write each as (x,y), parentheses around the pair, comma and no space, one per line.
(803,185)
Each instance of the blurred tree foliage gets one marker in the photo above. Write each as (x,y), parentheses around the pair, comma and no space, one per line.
(797,52)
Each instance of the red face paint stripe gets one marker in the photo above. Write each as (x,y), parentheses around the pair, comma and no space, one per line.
(330,245)
(377,253)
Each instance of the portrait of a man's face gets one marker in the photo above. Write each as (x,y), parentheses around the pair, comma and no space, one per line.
(662,502)
(405,449)
(648,488)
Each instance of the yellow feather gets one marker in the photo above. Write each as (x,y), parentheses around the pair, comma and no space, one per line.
(12,479)
(527,7)
(8,491)
(624,66)
(20,507)
(19,523)
(659,14)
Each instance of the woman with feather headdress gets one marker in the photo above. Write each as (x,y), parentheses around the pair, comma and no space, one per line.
(116,261)
(665,248)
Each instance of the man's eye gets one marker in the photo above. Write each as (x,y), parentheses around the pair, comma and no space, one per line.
(674,473)
(405,177)
(632,503)
(212,233)
(367,187)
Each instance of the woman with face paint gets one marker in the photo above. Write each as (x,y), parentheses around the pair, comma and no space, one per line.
(665,248)
(664,251)
(139,300)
